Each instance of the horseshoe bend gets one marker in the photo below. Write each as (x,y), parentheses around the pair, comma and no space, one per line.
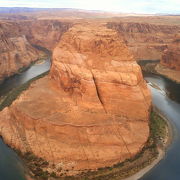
(90,111)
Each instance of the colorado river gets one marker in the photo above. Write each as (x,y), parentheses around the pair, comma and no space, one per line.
(166,96)
(168,168)
(11,166)
(25,76)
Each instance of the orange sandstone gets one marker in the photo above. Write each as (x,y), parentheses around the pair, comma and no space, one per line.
(91,111)
(147,41)
(171,56)
(15,50)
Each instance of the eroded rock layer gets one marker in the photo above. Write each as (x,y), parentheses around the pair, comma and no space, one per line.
(171,56)
(170,62)
(91,111)
(17,40)
(145,40)
(15,50)
(44,33)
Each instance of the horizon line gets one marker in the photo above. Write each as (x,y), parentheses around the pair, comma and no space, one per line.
(110,11)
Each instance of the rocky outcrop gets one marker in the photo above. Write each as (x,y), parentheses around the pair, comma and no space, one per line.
(44,33)
(146,41)
(170,62)
(19,39)
(91,111)
(171,56)
(15,50)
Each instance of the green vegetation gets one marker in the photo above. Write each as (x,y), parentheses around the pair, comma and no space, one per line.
(14,93)
(158,128)
(158,132)
(37,166)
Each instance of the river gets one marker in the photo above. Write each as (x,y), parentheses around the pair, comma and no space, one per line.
(167,99)
(166,96)
(11,166)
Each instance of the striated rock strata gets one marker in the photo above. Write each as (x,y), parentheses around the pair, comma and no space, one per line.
(145,40)
(17,40)
(170,61)
(91,111)
(44,33)
(15,50)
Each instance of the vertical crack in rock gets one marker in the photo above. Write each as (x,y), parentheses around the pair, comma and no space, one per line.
(36,136)
(98,93)
(119,133)
(83,149)
(49,144)
(20,129)
(90,132)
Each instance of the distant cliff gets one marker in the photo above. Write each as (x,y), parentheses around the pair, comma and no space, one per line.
(45,33)
(171,55)
(170,62)
(146,41)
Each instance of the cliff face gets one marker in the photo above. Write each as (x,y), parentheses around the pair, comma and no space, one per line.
(45,33)
(17,38)
(91,111)
(146,41)
(15,50)
(171,56)
(170,62)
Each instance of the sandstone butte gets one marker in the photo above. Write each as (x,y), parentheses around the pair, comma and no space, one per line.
(91,111)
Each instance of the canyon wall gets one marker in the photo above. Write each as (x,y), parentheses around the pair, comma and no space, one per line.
(17,48)
(170,62)
(171,55)
(44,33)
(91,111)
(146,41)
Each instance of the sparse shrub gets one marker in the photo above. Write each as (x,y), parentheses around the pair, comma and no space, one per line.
(53,174)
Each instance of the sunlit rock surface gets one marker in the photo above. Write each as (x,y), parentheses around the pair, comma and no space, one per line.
(91,111)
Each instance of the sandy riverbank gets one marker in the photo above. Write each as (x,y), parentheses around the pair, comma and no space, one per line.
(143,171)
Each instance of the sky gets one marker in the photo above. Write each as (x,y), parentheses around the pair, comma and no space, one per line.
(125,6)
